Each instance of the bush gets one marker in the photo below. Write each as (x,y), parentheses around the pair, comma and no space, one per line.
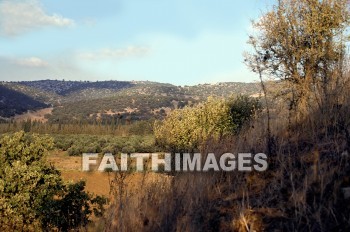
(77,144)
(188,128)
(73,208)
(74,151)
(32,194)
(93,148)
(110,149)
(128,149)
(63,144)
(242,109)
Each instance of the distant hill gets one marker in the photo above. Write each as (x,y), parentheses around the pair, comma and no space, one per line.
(13,102)
(34,92)
(107,101)
(66,87)
(223,89)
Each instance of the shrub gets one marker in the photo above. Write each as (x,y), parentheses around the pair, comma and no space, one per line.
(128,149)
(110,149)
(32,193)
(242,109)
(72,208)
(73,151)
(188,128)
(63,144)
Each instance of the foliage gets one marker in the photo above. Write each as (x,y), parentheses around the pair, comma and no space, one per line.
(29,188)
(188,128)
(242,109)
(78,144)
(119,110)
(116,102)
(65,87)
(301,42)
(304,189)
(70,209)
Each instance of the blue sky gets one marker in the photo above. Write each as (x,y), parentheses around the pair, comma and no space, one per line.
(183,42)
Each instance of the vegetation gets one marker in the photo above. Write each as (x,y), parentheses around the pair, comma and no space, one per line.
(188,128)
(302,43)
(117,109)
(242,110)
(13,102)
(75,145)
(114,128)
(302,124)
(32,193)
(115,101)
(305,132)
(66,87)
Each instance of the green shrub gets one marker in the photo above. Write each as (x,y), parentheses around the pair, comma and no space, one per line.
(33,196)
(74,151)
(72,208)
(128,149)
(242,109)
(188,128)
(110,149)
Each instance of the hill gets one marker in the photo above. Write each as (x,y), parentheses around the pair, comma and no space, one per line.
(13,102)
(65,87)
(105,101)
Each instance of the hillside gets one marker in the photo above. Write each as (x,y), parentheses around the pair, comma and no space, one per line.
(13,102)
(106,101)
(66,87)
(34,92)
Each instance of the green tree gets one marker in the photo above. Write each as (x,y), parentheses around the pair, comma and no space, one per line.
(26,182)
(29,188)
(71,208)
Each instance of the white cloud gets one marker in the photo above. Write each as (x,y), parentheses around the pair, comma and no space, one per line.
(32,62)
(17,17)
(108,53)
(33,68)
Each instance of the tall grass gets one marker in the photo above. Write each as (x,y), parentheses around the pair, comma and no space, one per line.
(302,190)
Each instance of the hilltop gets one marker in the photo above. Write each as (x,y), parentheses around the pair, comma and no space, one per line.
(105,101)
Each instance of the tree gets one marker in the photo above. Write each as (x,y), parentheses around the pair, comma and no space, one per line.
(25,181)
(33,195)
(301,42)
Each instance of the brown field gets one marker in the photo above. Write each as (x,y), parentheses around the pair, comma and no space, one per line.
(38,115)
(70,167)
(96,182)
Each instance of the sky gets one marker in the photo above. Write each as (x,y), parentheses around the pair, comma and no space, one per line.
(182,42)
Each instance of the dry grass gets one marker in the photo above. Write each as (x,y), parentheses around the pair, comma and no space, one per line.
(303,189)
(38,115)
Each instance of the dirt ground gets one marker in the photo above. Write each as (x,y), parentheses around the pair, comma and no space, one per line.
(70,167)
(38,115)
(96,182)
